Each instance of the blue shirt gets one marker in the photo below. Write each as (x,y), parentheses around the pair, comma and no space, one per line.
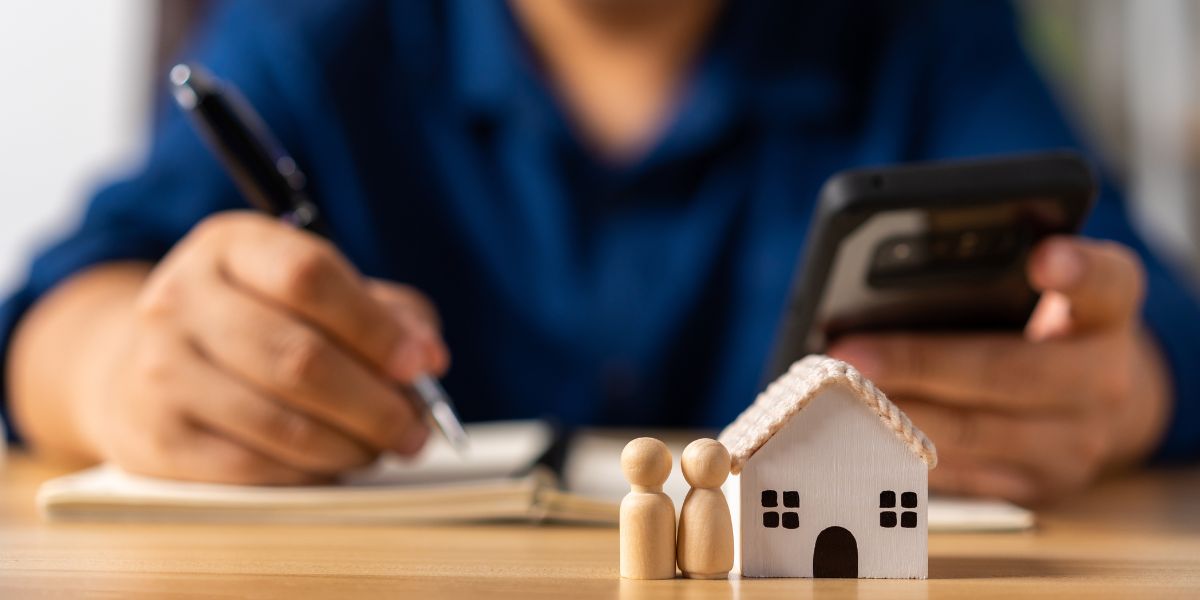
(642,293)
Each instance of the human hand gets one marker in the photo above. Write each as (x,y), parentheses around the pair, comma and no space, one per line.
(1030,417)
(259,356)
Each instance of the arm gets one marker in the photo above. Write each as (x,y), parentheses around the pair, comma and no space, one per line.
(1099,379)
(253,353)
(179,339)
(63,352)
(1030,417)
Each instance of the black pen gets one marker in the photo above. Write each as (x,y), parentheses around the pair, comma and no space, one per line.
(272,182)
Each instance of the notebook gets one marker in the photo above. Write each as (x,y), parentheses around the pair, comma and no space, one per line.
(499,477)
(512,471)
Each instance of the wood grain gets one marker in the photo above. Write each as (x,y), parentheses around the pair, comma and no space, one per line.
(1135,537)
(647,519)
(705,538)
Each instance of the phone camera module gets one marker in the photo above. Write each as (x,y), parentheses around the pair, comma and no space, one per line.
(899,254)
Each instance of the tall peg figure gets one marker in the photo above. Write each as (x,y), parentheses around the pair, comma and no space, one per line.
(647,514)
(705,527)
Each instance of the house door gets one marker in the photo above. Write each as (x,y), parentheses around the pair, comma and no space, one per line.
(836,554)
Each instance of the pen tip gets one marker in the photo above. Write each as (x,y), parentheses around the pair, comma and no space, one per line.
(180,74)
(181,86)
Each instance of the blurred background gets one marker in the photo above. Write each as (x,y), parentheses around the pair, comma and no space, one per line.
(78,79)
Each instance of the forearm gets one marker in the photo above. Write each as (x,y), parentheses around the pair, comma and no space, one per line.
(63,354)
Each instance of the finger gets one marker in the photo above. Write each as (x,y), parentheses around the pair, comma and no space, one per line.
(970,478)
(294,363)
(992,436)
(269,427)
(1051,318)
(419,317)
(960,431)
(1056,453)
(309,277)
(1102,281)
(201,455)
(217,459)
(1000,371)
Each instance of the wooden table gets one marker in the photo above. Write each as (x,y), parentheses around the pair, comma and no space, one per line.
(1136,537)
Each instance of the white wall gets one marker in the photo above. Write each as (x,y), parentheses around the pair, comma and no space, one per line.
(73,112)
(1163,100)
(1129,70)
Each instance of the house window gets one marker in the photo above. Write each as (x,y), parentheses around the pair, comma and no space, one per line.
(791,499)
(772,518)
(791,520)
(887,499)
(887,518)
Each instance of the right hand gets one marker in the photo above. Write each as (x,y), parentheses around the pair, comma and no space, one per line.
(260,356)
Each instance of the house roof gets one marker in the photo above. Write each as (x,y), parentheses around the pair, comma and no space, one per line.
(793,391)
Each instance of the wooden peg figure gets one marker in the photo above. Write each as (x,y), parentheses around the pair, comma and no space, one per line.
(705,527)
(647,514)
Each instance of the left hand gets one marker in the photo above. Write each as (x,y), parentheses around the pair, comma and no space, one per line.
(1031,417)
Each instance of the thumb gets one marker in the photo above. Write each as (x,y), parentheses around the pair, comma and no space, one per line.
(1101,282)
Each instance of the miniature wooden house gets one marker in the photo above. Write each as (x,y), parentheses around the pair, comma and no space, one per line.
(832,479)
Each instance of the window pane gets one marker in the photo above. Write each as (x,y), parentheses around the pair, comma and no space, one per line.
(887,518)
(908,519)
(770,499)
(887,499)
(791,520)
(908,499)
(770,519)
(791,499)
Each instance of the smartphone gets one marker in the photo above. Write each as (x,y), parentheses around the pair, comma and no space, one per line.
(929,246)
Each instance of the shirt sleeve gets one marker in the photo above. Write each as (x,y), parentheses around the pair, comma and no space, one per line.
(987,97)
(179,184)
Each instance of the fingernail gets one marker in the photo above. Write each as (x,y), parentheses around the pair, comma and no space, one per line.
(413,440)
(442,360)
(1064,264)
(859,356)
(405,362)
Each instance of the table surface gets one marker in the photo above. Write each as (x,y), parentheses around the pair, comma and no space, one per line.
(1137,536)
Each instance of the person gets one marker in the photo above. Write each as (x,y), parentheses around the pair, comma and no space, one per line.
(598,206)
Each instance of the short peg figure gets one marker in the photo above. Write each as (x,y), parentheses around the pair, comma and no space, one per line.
(705,527)
(647,514)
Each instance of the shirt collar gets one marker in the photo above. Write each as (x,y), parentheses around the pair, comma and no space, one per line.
(756,65)
(485,46)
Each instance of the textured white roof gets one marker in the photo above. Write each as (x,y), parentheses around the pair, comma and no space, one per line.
(793,391)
